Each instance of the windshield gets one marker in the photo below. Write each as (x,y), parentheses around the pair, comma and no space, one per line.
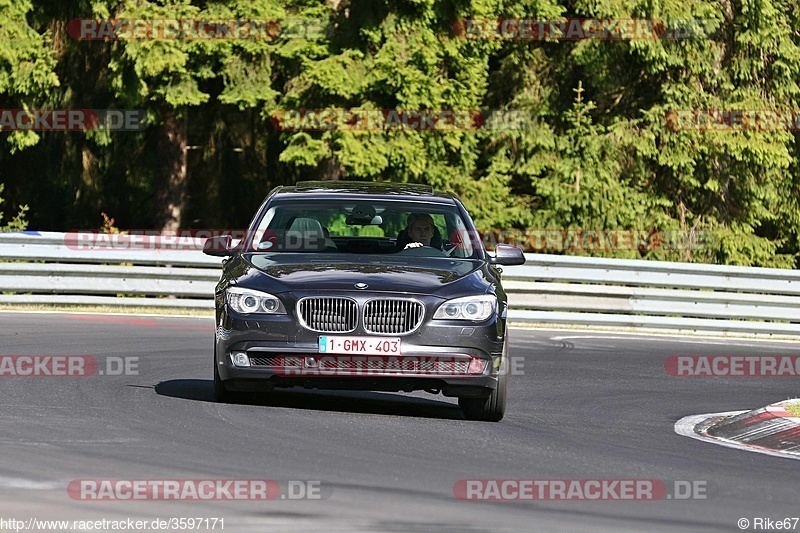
(364,227)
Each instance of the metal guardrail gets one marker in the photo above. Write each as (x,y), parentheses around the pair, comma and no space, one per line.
(588,291)
(548,289)
(46,267)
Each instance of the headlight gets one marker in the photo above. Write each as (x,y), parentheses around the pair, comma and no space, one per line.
(248,301)
(475,308)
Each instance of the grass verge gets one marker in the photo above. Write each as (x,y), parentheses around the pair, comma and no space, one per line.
(793,407)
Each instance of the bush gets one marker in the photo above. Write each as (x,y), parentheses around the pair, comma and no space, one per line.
(18,223)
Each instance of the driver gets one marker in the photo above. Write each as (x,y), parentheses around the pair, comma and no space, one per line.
(420,230)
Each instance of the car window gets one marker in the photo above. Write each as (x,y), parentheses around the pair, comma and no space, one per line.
(324,226)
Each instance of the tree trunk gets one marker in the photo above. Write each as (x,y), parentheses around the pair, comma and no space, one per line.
(172,169)
(333,170)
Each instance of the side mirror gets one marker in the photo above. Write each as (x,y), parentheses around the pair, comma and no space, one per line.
(218,246)
(508,254)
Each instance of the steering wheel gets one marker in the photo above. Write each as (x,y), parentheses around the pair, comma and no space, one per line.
(423,251)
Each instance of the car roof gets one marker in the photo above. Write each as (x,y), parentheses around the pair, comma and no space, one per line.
(375,190)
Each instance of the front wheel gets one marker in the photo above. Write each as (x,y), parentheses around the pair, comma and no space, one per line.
(489,409)
(221,394)
(493,408)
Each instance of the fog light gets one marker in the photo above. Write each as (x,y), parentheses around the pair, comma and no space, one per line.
(240,359)
(477,366)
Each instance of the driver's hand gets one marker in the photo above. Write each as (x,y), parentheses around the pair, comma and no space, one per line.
(413,245)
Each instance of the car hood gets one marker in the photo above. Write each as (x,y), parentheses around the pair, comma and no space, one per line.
(289,272)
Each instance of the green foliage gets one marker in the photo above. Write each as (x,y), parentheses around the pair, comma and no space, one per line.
(18,223)
(598,151)
(26,65)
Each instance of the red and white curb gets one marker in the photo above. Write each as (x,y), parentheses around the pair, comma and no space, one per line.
(770,430)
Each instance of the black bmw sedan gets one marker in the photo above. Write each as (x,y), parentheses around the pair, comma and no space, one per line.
(363,286)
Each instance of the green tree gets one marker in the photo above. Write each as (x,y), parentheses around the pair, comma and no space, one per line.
(26,65)
(599,148)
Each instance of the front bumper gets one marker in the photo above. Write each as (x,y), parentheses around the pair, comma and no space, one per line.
(456,358)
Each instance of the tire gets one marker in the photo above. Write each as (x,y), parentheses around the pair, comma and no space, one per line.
(489,409)
(221,394)
(493,408)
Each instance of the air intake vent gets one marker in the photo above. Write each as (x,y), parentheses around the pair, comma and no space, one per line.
(392,316)
(328,315)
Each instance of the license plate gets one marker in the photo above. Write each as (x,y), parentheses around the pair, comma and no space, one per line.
(360,345)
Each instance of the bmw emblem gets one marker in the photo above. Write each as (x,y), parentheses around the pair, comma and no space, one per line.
(361,285)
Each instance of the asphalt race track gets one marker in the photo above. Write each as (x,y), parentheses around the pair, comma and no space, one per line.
(583,406)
